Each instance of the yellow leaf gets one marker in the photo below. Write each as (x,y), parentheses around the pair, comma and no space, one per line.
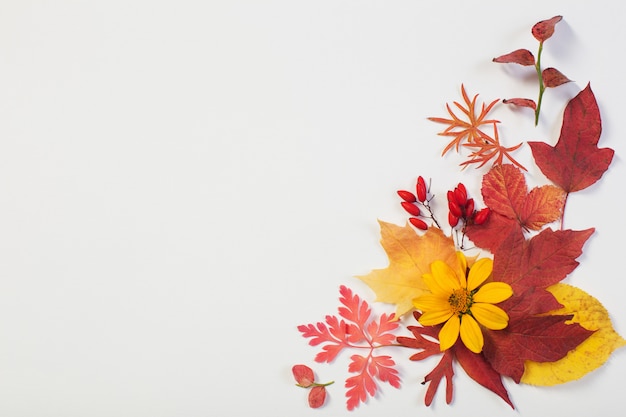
(590,354)
(410,256)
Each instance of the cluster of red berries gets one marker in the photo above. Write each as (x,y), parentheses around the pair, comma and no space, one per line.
(411,200)
(462,208)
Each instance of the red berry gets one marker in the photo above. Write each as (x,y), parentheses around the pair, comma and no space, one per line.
(407,196)
(482,216)
(469,208)
(460,194)
(452,219)
(411,208)
(421,189)
(419,223)
(455,209)
(451,196)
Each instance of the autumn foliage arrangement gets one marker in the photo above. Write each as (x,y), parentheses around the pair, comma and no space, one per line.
(484,288)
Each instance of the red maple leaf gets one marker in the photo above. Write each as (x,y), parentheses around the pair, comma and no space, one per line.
(575,162)
(493,232)
(356,330)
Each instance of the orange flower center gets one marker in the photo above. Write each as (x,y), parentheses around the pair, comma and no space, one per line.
(461,301)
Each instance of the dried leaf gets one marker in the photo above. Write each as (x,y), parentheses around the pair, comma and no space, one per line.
(304,375)
(575,162)
(519,56)
(545,29)
(441,371)
(590,354)
(521,102)
(317,397)
(553,78)
(505,192)
(493,232)
(426,345)
(410,256)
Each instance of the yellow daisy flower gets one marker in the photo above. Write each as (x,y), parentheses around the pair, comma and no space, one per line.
(462,303)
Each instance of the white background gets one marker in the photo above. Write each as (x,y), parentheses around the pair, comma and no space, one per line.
(182,183)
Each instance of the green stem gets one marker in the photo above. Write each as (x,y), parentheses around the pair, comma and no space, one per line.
(542,87)
(315,384)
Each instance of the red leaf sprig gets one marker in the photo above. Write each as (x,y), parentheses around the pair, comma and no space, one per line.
(305,378)
(548,78)
(355,329)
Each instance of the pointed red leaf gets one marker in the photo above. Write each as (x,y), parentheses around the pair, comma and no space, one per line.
(538,339)
(530,302)
(304,375)
(493,232)
(575,162)
(519,56)
(426,345)
(481,371)
(317,397)
(545,29)
(552,77)
(521,102)
(542,261)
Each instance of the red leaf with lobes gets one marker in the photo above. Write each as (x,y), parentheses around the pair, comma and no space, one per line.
(520,56)
(545,29)
(477,367)
(442,370)
(493,232)
(304,375)
(552,77)
(317,397)
(575,162)
(521,102)
(539,339)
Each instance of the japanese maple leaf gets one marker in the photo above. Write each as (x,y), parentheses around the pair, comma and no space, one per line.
(410,256)
(356,329)
(505,192)
(575,162)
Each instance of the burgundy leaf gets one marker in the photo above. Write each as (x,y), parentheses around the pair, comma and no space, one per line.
(520,56)
(553,78)
(521,102)
(545,29)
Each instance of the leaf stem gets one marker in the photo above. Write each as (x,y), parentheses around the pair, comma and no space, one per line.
(315,384)
(542,86)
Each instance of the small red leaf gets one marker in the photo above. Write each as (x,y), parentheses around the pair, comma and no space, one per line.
(304,375)
(442,370)
(552,77)
(545,29)
(520,56)
(317,397)
(521,102)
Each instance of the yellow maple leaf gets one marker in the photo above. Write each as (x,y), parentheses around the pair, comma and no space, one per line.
(590,354)
(410,256)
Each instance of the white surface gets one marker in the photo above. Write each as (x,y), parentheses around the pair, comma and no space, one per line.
(183,183)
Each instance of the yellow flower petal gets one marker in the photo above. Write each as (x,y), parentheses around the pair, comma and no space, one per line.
(449,333)
(479,272)
(430,302)
(430,318)
(493,292)
(471,335)
(490,316)
(445,277)
(463,265)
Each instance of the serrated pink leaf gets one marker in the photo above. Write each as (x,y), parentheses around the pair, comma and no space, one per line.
(519,56)
(545,29)
(552,77)
(521,102)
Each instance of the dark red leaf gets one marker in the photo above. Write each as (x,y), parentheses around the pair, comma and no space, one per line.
(520,56)
(544,260)
(521,102)
(530,302)
(477,367)
(317,397)
(552,77)
(493,232)
(545,29)
(426,345)
(442,370)
(304,375)
(538,339)
(575,162)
